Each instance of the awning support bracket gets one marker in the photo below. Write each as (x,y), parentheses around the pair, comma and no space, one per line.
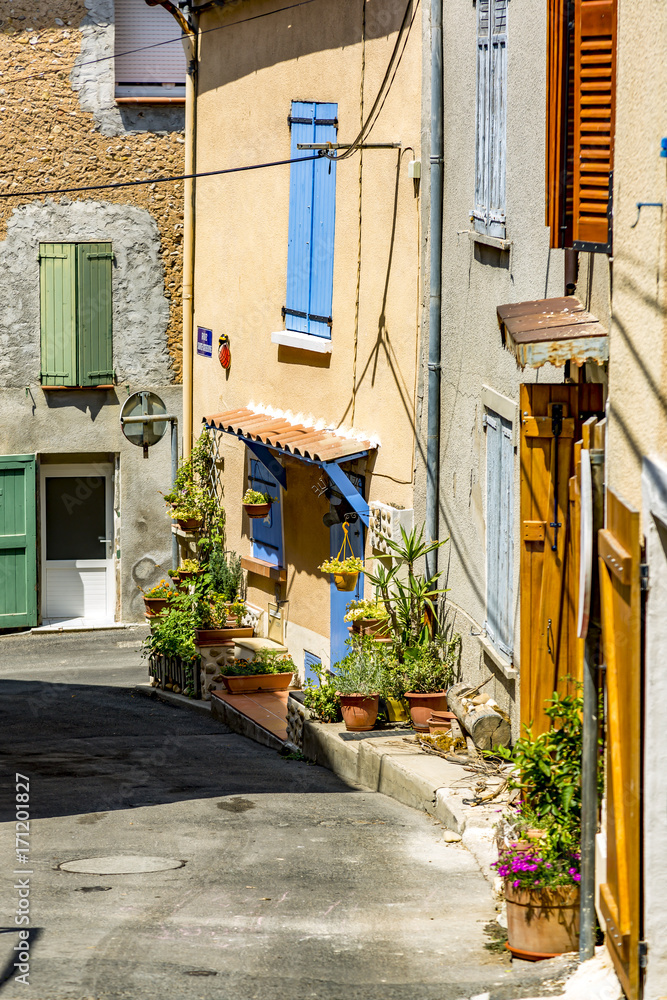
(348,489)
(270,463)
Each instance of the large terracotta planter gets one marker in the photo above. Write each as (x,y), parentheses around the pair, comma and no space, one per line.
(345,581)
(155,605)
(544,923)
(257,509)
(248,683)
(212,636)
(359,711)
(421,706)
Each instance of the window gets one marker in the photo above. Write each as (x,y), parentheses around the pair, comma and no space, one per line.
(499,539)
(312,213)
(267,533)
(147,72)
(489,210)
(76,318)
(581,100)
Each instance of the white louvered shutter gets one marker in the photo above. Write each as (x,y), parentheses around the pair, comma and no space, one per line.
(138,26)
(489,209)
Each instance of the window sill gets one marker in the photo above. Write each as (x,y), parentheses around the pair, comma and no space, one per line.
(489,241)
(150,100)
(501,662)
(265,569)
(73,388)
(302,341)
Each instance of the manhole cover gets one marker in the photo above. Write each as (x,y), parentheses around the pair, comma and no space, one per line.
(120,865)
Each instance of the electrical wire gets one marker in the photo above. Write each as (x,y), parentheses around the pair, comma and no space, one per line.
(155,45)
(157,180)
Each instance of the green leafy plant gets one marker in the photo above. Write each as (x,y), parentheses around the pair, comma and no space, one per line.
(406,594)
(364,669)
(358,610)
(172,635)
(266,661)
(321,698)
(529,868)
(350,565)
(431,666)
(210,611)
(161,591)
(237,611)
(254,497)
(226,574)
(193,495)
(190,566)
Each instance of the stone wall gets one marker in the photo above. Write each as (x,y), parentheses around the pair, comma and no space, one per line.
(59,127)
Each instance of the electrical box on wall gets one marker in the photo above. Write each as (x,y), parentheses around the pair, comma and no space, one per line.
(415,169)
(385,523)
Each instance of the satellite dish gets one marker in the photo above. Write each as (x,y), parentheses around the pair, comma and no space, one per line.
(143,404)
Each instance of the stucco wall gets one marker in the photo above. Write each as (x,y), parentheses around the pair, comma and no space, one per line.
(54,136)
(86,422)
(476,279)
(140,309)
(248,78)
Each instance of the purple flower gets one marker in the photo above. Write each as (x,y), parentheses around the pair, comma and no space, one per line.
(516,884)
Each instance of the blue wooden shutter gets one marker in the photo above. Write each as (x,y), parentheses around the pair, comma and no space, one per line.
(310,662)
(499,546)
(94,315)
(267,534)
(57,278)
(491,100)
(312,214)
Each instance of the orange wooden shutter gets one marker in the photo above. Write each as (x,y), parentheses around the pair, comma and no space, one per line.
(559,119)
(594,108)
(620,592)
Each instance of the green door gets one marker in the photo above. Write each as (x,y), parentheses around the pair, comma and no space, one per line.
(18,543)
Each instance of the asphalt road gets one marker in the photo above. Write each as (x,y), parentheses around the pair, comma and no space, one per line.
(292,883)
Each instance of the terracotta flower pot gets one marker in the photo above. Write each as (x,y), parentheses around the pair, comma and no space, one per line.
(542,923)
(248,683)
(154,605)
(345,581)
(212,636)
(188,574)
(440,722)
(422,705)
(257,509)
(359,711)
(370,626)
(189,523)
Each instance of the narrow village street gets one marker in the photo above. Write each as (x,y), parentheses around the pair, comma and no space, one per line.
(291,883)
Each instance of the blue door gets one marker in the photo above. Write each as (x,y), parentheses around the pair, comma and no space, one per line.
(338,629)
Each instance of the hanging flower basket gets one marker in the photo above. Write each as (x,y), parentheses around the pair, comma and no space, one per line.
(257,504)
(344,569)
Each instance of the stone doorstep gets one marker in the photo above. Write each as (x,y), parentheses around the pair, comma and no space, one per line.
(410,776)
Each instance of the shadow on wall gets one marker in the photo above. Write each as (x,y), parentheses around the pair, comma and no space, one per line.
(93,400)
(284,36)
(138,118)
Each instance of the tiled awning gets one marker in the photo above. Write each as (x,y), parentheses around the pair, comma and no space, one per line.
(552,331)
(296,439)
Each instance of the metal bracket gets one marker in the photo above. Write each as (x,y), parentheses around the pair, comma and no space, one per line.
(270,463)
(643,954)
(643,577)
(347,488)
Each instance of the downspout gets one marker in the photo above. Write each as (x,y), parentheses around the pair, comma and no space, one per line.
(190,41)
(435,297)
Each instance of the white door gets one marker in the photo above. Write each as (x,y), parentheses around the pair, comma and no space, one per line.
(77,544)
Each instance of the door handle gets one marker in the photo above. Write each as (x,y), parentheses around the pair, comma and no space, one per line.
(108,540)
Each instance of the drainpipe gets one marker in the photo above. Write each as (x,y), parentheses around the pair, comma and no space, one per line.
(191,54)
(435,298)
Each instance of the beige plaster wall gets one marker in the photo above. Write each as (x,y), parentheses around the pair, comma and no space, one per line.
(249,75)
(638,364)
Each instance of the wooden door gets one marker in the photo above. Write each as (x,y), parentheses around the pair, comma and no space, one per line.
(551,422)
(18,542)
(620,598)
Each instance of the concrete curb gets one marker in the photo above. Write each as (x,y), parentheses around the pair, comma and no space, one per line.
(179,700)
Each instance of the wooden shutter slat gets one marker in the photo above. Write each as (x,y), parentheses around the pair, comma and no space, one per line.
(94,313)
(58,313)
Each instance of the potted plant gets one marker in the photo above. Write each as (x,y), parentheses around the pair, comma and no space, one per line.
(157,598)
(360,681)
(429,671)
(368,617)
(268,671)
(321,698)
(226,574)
(187,513)
(212,622)
(344,571)
(539,835)
(189,569)
(257,504)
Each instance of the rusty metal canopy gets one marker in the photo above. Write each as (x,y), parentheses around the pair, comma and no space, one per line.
(301,441)
(552,331)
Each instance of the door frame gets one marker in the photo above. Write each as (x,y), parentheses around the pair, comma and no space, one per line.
(53,471)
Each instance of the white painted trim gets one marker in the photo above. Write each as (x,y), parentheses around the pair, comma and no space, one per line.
(489,241)
(304,341)
(505,407)
(501,662)
(105,469)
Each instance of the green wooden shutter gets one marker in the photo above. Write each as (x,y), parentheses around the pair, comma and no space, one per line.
(94,316)
(18,546)
(57,273)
